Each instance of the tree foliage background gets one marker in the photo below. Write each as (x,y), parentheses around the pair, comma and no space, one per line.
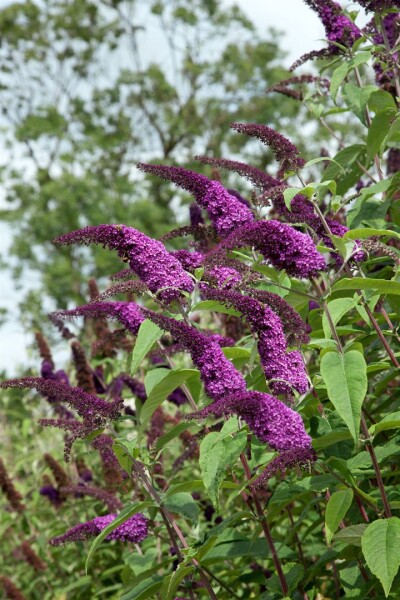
(81,102)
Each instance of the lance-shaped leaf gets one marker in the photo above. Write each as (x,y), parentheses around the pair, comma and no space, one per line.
(381,548)
(346,380)
(336,509)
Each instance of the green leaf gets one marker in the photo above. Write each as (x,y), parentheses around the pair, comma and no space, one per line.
(381,548)
(315,161)
(153,377)
(338,76)
(147,335)
(331,438)
(351,535)
(288,195)
(183,504)
(123,516)
(347,173)
(346,380)
(356,98)
(293,572)
(172,433)
(378,130)
(218,450)
(359,234)
(337,309)
(171,380)
(336,509)
(383,286)
(146,588)
(391,421)
(376,188)
(380,100)
(172,582)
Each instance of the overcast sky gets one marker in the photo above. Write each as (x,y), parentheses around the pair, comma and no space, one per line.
(301,33)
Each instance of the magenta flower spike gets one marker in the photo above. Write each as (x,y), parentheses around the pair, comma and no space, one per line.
(225,211)
(218,374)
(132,530)
(268,418)
(286,153)
(338,27)
(281,245)
(127,313)
(283,370)
(257,177)
(148,258)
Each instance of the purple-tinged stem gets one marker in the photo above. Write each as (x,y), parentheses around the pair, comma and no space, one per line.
(378,475)
(153,493)
(264,525)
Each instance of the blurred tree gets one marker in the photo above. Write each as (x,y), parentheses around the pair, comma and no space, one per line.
(81,101)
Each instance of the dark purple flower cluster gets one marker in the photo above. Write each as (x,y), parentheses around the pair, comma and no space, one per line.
(86,405)
(284,151)
(94,411)
(258,178)
(281,245)
(133,530)
(338,28)
(225,211)
(9,490)
(189,260)
(112,472)
(51,493)
(128,313)
(79,491)
(148,258)
(283,370)
(296,330)
(379,5)
(195,215)
(297,457)
(268,418)
(224,277)
(218,374)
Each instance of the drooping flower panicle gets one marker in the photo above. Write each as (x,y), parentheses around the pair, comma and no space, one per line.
(281,245)
(132,530)
(225,211)
(148,258)
(218,374)
(128,313)
(286,153)
(282,369)
(268,418)
(258,178)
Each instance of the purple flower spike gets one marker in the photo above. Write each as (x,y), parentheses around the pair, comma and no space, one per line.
(283,370)
(128,313)
(225,211)
(148,258)
(225,277)
(281,245)
(338,27)
(189,260)
(296,330)
(86,405)
(299,457)
(285,152)
(379,5)
(258,178)
(133,530)
(268,418)
(218,374)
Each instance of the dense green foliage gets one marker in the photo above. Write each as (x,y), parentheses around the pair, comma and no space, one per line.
(291,489)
